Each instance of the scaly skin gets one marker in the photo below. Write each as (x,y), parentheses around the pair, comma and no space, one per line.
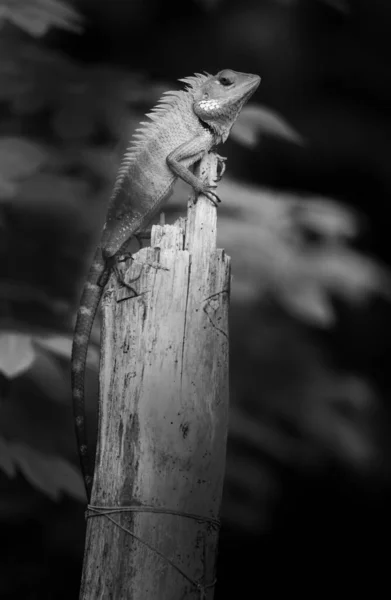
(183,127)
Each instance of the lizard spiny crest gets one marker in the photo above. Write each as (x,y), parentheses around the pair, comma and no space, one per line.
(142,134)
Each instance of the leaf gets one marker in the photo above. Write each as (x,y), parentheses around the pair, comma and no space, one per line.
(50,378)
(327,218)
(272,255)
(51,475)
(36,17)
(16,353)
(8,189)
(19,158)
(7,464)
(256,120)
(310,303)
(58,344)
(260,436)
(306,282)
(339,417)
(62,346)
(349,274)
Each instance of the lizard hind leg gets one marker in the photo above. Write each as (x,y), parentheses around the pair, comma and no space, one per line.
(112,265)
(120,277)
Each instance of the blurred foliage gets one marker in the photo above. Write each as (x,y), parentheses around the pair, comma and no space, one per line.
(257,122)
(298,251)
(300,270)
(38,16)
(47,474)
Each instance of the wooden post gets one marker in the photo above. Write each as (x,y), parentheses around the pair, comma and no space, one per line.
(163,417)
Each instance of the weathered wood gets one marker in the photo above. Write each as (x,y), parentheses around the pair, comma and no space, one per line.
(163,416)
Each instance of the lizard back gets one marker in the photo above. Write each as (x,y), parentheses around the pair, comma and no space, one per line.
(144,179)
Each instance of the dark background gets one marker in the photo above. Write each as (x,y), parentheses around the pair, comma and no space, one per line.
(305,219)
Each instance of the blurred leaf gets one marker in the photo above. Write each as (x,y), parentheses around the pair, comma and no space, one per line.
(349,274)
(62,346)
(50,378)
(51,475)
(310,303)
(16,353)
(7,464)
(338,416)
(327,218)
(8,189)
(305,283)
(260,436)
(255,121)
(271,254)
(238,504)
(19,158)
(36,17)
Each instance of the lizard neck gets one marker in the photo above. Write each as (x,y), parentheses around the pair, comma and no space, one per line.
(217,136)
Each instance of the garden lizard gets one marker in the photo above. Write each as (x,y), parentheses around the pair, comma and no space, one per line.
(183,127)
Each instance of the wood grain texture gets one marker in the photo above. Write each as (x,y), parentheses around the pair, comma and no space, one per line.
(163,415)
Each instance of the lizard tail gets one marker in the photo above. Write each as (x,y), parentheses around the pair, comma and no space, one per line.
(91,295)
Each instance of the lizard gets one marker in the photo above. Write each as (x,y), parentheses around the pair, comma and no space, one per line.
(182,127)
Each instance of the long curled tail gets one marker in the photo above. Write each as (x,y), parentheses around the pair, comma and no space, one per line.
(91,295)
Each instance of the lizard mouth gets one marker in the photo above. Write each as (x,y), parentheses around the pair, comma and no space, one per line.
(252,84)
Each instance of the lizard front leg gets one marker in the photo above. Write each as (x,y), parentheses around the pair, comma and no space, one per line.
(188,154)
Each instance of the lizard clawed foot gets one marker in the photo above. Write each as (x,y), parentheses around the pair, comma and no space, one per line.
(221,166)
(120,277)
(124,283)
(212,197)
(206,190)
(123,257)
(210,194)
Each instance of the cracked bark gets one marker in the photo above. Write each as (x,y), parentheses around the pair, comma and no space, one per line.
(163,415)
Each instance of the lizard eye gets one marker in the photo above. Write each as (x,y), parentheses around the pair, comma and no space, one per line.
(226,77)
(225,80)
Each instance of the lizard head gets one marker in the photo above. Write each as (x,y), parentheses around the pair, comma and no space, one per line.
(220,98)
